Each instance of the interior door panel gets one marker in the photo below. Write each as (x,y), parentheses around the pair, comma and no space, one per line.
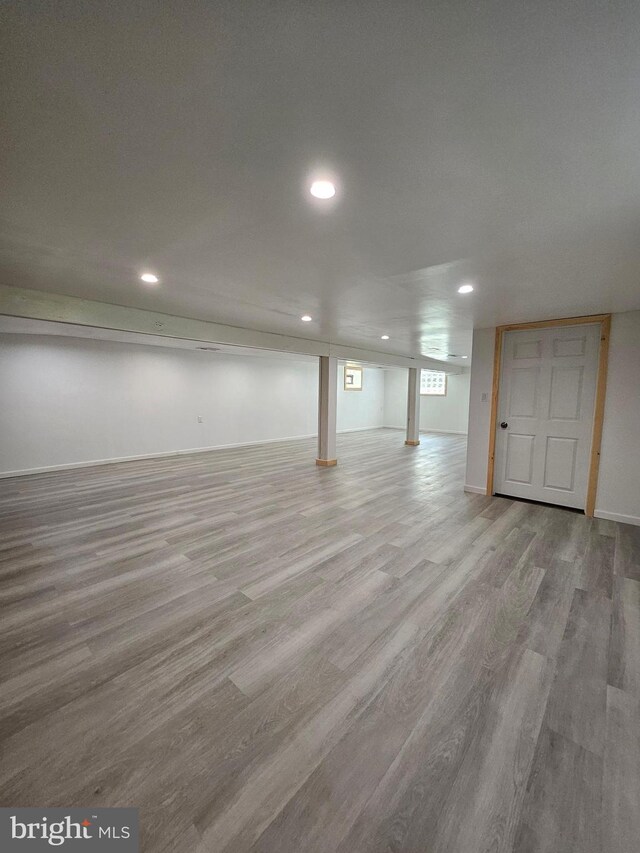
(545,413)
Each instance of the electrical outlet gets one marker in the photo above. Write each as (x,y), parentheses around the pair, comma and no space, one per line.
(199,419)
(484,398)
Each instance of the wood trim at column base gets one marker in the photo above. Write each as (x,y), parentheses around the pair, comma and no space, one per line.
(411,443)
(327,463)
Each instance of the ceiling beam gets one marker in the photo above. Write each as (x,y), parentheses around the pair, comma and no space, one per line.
(55,307)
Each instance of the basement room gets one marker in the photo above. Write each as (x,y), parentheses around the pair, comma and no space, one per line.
(319,418)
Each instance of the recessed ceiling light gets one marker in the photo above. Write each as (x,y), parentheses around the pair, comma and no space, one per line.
(322,189)
(149,278)
(306,318)
(465,288)
(384,337)
(464,356)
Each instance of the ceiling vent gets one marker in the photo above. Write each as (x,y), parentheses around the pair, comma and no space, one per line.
(209,349)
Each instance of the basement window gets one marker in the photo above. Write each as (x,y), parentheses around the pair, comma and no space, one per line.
(433,383)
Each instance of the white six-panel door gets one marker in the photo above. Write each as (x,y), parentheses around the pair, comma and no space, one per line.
(545,413)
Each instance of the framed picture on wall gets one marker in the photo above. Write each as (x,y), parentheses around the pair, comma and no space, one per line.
(352,377)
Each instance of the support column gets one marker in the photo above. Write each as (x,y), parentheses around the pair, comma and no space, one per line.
(327,402)
(413,408)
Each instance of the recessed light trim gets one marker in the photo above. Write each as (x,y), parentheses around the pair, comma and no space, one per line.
(384,337)
(322,189)
(306,318)
(465,288)
(149,278)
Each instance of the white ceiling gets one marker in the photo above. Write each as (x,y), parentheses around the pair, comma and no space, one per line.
(491,141)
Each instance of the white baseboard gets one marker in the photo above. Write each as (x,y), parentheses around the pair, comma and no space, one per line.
(68,466)
(359,429)
(476,490)
(90,463)
(616,516)
(444,431)
(434,431)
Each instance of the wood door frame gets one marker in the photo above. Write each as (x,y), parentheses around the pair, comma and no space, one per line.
(598,410)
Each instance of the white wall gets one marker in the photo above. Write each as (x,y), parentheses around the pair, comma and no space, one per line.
(67,401)
(361,409)
(618,495)
(395,398)
(438,414)
(479,410)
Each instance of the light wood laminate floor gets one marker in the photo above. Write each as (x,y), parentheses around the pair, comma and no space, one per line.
(266,656)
